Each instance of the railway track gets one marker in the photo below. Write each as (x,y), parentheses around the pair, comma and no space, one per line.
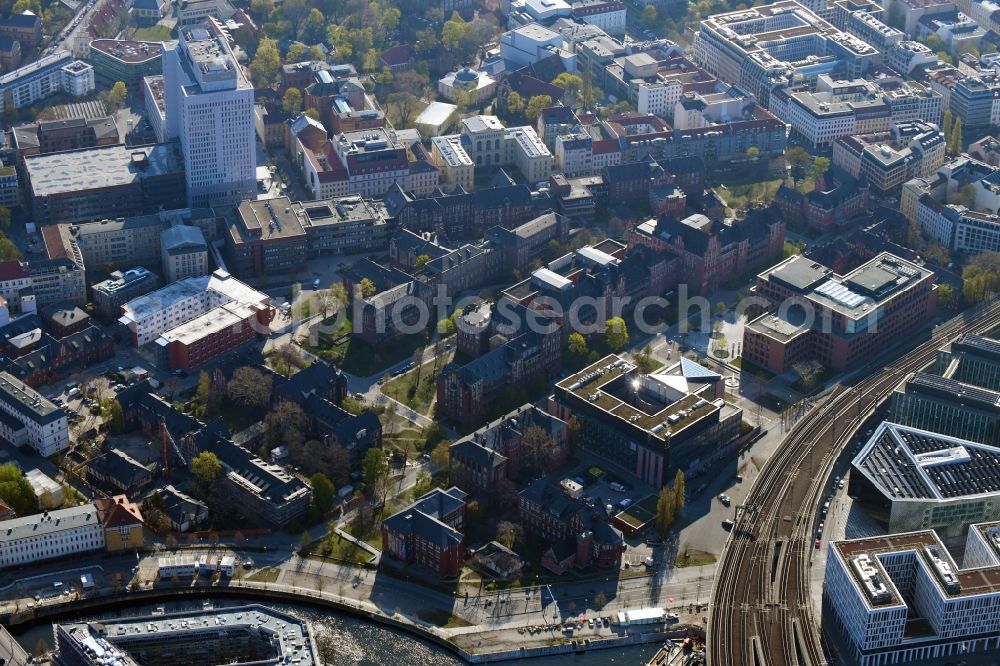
(760,614)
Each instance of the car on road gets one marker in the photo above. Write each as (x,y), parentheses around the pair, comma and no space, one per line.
(426,457)
(728,524)
(725,499)
(673,617)
(817,544)
(359,395)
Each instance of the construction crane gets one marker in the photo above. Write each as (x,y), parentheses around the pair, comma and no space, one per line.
(166,437)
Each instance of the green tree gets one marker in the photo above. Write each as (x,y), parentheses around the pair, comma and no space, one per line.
(440,454)
(454,31)
(291,102)
(820,166)
(535,106)
(649,16)
(296,52)
(312,113)
(339,39)
(367,288)
(117,94)
(261,9)
(206,397)
(313,29)
(374,467)
(679,491)
(390,18)
(515,104)
(4,219)
(798,159)
(981,277)
(266,64)
(956,145)
(16,492)
(8,251)
(33,6)
(339,294)
(577,345)
(206,467)
(323,491)
(420,261)
(615,333)
(570,82)
(665,510)
(113,416)
(946,124)
(945,295)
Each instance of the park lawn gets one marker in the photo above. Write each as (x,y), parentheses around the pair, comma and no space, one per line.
(336,547)
(362,360)
(266,575)
(693,558)
(740,196)
(399,388)
(154,33)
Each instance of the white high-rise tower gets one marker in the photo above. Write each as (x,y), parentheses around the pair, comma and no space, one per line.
(210,108)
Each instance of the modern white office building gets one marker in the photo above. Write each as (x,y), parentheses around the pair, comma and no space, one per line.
(51,534)
(29,418)
(149,316)
(457,168)
(210,108)
(57,72)
(900,598)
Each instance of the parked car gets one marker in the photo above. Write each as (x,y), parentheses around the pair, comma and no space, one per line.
(725,499)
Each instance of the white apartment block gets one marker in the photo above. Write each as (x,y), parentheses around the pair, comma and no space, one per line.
(658,97)
(44,425)
(195,11)
(483,138)
(210,107)
(608,15)
(14,282)
(874,586)
(526,150)
(489,144)
(457,168)
(575,154)
(49,535)
(56,72)
(77,79)
(149,316)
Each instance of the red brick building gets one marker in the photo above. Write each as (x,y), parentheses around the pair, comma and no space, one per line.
(580,536)
(480,462)
(428,533)
(839,321)
(712,252)
(213,334)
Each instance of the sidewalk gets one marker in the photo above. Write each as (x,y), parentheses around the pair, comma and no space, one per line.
(364,545)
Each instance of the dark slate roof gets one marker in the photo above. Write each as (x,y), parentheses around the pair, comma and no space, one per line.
(121,467)
(21,21)
(424,527)
(423,517)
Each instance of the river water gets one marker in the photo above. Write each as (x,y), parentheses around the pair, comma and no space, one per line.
(359,643)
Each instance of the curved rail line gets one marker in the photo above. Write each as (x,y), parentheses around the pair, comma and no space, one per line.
(760,614)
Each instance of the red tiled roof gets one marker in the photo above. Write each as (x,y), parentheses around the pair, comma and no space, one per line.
(11,270)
